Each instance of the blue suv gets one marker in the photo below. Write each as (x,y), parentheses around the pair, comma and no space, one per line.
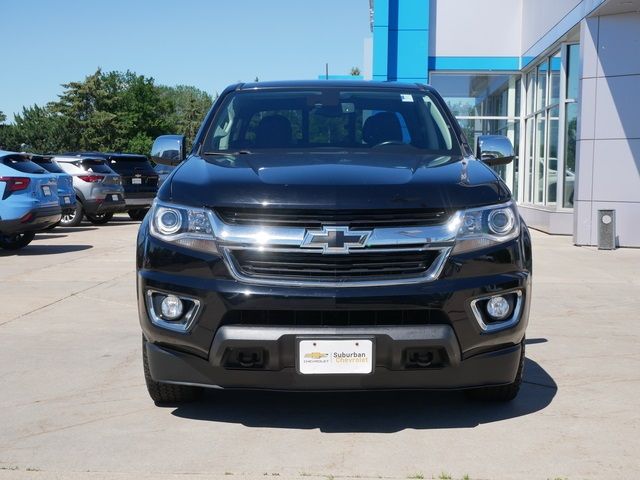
(66,193)
(28,200)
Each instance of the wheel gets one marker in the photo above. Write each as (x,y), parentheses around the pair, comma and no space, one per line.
(73,219)
(166,393)
(502,393)
(16,241)
(99,218)
(138,213)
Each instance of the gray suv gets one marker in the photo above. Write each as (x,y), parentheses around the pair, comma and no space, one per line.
(98,189)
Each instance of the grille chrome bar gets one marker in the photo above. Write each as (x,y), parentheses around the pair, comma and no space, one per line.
(434,242)
(267,236)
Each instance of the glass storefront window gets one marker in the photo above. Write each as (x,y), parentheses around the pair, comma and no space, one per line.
(573,71)
(474,95)
(540,157)
(571,122)
(530,84)
(549,172)
(541,86)
(529,159)
(552,159)
(555,64)
(571,119)
(484,104)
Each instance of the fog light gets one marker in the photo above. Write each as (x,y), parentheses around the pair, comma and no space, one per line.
(498,307)
(171,307)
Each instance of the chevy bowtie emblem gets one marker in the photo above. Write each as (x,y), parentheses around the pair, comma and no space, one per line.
(335,239)
(316,355)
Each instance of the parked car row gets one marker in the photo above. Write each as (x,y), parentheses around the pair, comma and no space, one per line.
(39,192)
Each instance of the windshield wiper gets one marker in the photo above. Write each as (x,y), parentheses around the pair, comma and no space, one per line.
(227,154)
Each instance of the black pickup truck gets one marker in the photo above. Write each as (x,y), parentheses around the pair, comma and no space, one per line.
(333,236)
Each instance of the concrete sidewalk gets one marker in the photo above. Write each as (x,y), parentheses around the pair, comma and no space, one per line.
(73,402)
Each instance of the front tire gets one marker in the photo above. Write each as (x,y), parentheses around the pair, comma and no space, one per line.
(99,218)
(16,241)
(73,219)
(502,393)
(138,213)
(166,393)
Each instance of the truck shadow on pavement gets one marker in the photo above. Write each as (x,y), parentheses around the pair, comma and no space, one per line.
(382,412)
(44,250)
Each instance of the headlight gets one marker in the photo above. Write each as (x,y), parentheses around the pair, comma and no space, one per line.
(487,226)
(181,225)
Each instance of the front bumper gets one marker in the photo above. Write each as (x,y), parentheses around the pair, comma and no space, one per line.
(34,220)
(471,357)
(491,368)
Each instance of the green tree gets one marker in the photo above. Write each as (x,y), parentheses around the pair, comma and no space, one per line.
(114,111)
(3,117)
(355,71)
(88,106)
(37,127)
(108,111)
(190,105)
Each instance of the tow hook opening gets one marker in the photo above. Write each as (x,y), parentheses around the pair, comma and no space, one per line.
(245,358)
(416,358)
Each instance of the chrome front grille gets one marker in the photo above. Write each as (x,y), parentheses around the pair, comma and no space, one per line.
(336,249)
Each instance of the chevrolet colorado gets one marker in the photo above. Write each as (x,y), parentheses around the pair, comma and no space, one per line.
(333,236)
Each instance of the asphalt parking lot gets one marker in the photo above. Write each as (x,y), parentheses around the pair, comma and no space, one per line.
(73,402)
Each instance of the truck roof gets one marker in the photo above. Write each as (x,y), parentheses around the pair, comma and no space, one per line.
(363,84)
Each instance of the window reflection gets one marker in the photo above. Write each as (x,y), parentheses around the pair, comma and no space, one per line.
(485,104)
(544,137)
(571,122)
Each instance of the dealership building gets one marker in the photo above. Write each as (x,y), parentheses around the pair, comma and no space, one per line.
(560,78)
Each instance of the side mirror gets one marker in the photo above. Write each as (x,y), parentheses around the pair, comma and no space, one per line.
(494,150)
(168,150)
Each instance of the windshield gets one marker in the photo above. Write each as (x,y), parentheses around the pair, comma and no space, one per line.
(330,119)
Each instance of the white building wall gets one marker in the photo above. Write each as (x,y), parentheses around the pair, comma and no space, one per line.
(608,170)
(458,28)
(540,16)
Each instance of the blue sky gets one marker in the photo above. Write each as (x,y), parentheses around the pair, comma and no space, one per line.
(208,44)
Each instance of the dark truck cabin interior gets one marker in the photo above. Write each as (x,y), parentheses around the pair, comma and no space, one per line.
(331,119)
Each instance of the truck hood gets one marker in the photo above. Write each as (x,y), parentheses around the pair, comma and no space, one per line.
(334,181)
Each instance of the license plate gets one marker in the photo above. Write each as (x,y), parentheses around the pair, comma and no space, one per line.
(115,198)
(335,356)
(67,200)
(46,190)
(136,181)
